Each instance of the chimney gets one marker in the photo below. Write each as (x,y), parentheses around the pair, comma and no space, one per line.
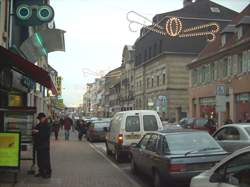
(187,2)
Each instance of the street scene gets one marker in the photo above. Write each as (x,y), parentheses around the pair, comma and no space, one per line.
(128,93)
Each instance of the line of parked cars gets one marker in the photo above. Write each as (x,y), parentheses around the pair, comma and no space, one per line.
(177,153)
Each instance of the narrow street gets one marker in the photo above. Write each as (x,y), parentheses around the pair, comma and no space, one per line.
(76,164)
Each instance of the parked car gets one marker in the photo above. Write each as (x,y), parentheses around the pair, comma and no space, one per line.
(96,131)
(174,156)
(208,125)
(233,137)
(232,171)
(128,127)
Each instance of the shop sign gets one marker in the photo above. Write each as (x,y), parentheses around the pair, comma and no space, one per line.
(10,150)
(221,103)
(220,90)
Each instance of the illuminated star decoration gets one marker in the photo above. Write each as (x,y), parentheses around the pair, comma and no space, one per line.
(174,27)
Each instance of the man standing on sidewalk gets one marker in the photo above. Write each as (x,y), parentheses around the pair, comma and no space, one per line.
(67,123)
(41,134)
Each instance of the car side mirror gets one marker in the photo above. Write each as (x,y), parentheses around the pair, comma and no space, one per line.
(106,129)
(217,178)
(134,145)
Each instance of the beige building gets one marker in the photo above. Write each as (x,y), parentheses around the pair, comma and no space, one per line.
(4,23)
(127,100)
(161,77)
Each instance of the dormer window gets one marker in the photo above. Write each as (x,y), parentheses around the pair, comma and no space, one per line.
(240,32)
(223,40)
(215,9)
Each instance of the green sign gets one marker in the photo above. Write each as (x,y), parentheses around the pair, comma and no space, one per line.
(10,150)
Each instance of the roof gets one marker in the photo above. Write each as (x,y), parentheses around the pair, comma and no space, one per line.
(200,9)
(138,111)
(198,13)
(215,47)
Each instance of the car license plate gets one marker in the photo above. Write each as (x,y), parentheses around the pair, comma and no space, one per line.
(198,167)
(133,136)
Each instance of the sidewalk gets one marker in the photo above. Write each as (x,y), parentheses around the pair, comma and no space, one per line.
(75,164)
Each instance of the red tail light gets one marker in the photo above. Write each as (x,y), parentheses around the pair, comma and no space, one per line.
(177,167)
(120,139)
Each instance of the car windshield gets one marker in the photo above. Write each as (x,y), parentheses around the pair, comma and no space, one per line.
(101,124)
(248,130)
(181,143)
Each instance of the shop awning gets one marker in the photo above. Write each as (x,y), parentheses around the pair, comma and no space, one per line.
(26,68)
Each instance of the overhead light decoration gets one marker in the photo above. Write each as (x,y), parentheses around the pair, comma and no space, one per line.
(174,27)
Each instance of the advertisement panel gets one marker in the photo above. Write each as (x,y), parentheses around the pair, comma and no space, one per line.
(10,150)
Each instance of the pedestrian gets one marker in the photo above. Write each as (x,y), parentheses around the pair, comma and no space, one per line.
(81,128)
(41,134)
(56,127)
(228,121)
(67,123)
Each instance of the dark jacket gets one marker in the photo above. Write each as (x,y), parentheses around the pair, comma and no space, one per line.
(67,123)
(42,138)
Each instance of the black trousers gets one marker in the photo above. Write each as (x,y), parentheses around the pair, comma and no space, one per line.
(43,161)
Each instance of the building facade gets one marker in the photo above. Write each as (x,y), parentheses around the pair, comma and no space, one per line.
(225,63)
(161,77)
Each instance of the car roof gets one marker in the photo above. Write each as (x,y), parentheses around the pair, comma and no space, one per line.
(137,111)
(178,130)
(237,125)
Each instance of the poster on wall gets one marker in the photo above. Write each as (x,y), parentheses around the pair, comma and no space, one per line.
(10,150)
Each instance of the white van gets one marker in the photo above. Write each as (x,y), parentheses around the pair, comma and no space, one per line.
(128,127)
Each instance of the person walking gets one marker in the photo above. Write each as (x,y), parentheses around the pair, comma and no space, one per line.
(67,123)
(81,128)
(41,134)
(56,127)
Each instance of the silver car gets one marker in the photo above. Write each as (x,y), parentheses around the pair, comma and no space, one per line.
(233,137)
(232,171)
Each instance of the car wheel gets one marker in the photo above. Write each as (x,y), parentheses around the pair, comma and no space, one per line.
(157,180)
(118,156)
(133,166)
(108,151)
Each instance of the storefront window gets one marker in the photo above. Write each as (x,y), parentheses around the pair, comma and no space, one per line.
(243,107)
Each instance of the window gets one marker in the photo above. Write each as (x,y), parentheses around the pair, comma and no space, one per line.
(248,130)
(184,142)
(236,171)
(163,79)
(244,61)
(149,52)
(145,55)
(160,46)
(132,124)
(227,133)
(239,62)
(140,83)
(158,80)
(215,9)
(212,72)
(223,40)
(147,82)
(229,66)
(143,143)
(224,67)
(152,82)
(155,49)
(150,123)
(153,143)
(240,32)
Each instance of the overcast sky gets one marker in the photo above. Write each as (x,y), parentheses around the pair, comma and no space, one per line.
(96,32)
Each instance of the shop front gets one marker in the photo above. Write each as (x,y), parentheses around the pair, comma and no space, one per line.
(243,107)
(208,108)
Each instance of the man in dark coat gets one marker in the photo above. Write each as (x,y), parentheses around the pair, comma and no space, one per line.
(41,134)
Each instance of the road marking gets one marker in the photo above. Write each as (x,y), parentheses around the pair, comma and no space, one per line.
(135,184)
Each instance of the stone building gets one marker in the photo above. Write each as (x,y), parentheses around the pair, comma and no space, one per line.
(161,77)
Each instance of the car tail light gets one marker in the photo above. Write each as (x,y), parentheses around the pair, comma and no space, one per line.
(177,167)
(120,139)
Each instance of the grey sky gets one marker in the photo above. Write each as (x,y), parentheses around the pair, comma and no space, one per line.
(96,32)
